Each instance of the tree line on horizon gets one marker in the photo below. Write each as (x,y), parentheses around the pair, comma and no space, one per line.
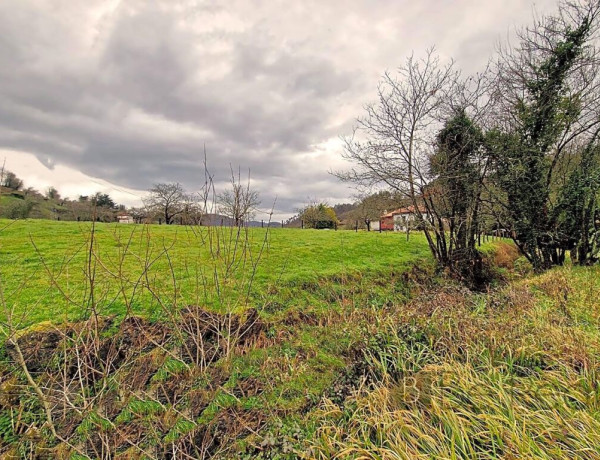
(169,203)
(20,202)
(166,203)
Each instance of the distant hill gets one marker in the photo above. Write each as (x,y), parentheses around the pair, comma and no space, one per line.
(219,219)
(344,213)
(257,223)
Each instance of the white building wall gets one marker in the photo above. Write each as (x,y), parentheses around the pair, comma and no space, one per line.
(125,219)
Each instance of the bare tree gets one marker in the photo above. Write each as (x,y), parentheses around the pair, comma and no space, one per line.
(392,144)
(420,141)
(193,209)
(167,199)
(240,201)
(139,215)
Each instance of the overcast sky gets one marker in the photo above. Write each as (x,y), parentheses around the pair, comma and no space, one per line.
(115,96)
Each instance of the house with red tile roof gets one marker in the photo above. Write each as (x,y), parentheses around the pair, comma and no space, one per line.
(399,219)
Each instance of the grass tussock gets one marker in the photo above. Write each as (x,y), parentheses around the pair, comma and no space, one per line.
(510,374)
(453,410)
(504,255)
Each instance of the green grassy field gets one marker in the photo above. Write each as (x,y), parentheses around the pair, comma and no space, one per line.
(357,349)
(46,266)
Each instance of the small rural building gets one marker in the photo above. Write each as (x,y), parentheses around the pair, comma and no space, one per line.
(125,219)
(399,219)
(386,222)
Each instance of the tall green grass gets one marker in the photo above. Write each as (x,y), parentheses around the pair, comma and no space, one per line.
(510,374)
(43,265)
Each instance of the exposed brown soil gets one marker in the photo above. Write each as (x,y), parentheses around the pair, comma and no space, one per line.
(110,366)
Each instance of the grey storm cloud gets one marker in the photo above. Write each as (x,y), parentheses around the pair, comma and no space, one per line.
(132,91)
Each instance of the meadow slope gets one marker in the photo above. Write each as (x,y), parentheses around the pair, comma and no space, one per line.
(47,267)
